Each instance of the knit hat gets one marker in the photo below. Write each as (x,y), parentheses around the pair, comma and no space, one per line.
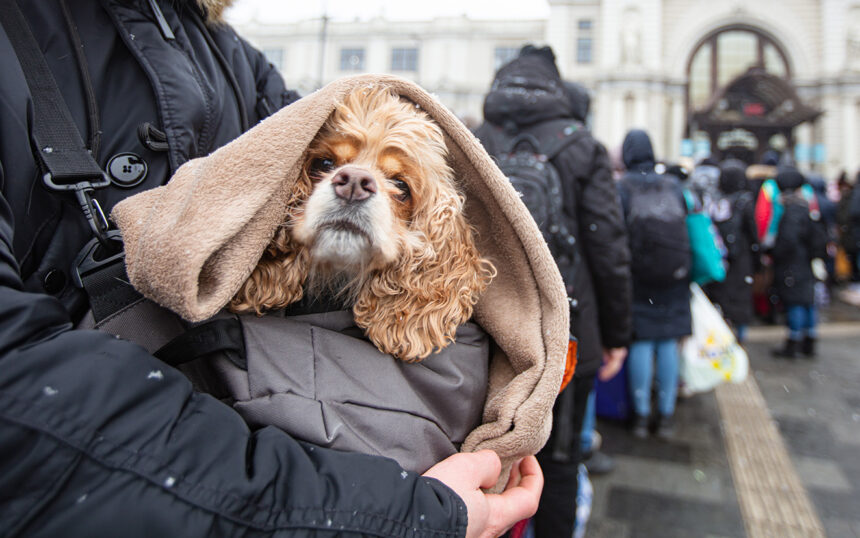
(789,179)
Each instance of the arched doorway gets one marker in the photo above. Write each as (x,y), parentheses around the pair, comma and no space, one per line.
(740,99)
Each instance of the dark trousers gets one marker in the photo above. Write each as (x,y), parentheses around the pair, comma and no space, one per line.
(559,460)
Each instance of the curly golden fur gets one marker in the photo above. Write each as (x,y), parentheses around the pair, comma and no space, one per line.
(403,254)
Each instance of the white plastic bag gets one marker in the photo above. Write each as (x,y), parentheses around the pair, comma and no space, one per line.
(712,354)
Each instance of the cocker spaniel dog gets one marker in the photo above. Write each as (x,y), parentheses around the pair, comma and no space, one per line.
(376,219)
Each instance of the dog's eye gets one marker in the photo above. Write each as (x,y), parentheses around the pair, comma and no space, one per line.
(405,193)
(322,165)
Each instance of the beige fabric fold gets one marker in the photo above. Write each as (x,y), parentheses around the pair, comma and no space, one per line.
(191,244)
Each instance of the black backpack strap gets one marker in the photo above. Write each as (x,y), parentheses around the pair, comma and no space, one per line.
(65,160)
(569,135)
(68,166)
(219,335)
(522,138)
(104,280)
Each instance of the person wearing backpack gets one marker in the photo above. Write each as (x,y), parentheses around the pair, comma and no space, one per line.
(733,212)
(655,212)
(588,241)
(800,238)
(97,436)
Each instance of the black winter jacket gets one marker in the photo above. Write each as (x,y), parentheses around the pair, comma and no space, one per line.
(601,274)
(658,313)
(733,212)
(97,437)
(799,240)
(854,218)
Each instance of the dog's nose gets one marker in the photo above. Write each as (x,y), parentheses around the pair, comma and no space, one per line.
(354,184)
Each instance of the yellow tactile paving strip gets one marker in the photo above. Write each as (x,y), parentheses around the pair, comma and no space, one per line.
(772,499)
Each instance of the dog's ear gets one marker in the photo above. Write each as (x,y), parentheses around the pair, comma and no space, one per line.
(277,280)
(414,307)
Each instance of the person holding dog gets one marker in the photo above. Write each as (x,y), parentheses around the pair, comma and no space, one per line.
(98,436)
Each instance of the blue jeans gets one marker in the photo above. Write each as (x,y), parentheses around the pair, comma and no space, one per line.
(741,333)
(640,374)
(586,438)
(801,319)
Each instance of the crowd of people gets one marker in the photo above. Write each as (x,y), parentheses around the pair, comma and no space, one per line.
(782,237)
(81,424)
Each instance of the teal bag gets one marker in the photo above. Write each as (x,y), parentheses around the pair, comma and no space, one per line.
(705,243)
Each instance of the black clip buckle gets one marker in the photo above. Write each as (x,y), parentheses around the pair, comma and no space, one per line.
(94,256)
(90,206)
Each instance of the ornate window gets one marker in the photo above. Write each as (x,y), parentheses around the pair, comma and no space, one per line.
(351,59)
(404,59)
(584,41)
(727,53)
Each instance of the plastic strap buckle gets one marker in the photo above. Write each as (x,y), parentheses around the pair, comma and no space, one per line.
(89,206)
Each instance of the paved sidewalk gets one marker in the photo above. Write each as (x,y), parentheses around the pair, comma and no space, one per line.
(816,404)
(681,488)
(684,488)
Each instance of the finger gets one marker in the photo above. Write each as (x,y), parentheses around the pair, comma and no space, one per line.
(488,468)
(514,504)
(603,374)
(531,475)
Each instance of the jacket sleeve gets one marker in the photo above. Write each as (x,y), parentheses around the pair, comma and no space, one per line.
(603,239)
(270,83)
(99,438)
(267,92)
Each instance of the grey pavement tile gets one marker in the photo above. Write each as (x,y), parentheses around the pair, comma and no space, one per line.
(806,436)
(618,441)
(607,528)
(833,505)
(687,481)
(813,438)
(822,474)
(651,514)
(842,528)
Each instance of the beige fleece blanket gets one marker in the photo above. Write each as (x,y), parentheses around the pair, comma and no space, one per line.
(191,243)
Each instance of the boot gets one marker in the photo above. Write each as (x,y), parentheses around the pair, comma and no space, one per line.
(598,462)
(807,347)
(665,428)
(788,351)
(640,427)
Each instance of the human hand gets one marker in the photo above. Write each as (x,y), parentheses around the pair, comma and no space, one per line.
(613,359)
(491,515)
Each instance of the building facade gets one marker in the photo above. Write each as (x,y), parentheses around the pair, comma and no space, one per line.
(652,64)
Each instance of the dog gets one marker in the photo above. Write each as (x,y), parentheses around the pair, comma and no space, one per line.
(377,221)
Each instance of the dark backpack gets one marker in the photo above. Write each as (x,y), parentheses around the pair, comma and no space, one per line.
(527,163)
(659,241)
(728,218)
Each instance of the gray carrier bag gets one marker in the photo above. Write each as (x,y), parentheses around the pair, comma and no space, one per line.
(317,377)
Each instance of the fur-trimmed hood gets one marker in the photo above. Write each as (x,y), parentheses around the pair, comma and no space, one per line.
(191,244)
(214,9)
(761,172)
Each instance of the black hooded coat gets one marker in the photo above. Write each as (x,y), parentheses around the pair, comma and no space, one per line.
(733,212)
(528,95)
(97,436)
(658,312)
(800,238)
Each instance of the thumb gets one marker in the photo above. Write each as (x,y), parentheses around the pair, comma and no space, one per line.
(489,466)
